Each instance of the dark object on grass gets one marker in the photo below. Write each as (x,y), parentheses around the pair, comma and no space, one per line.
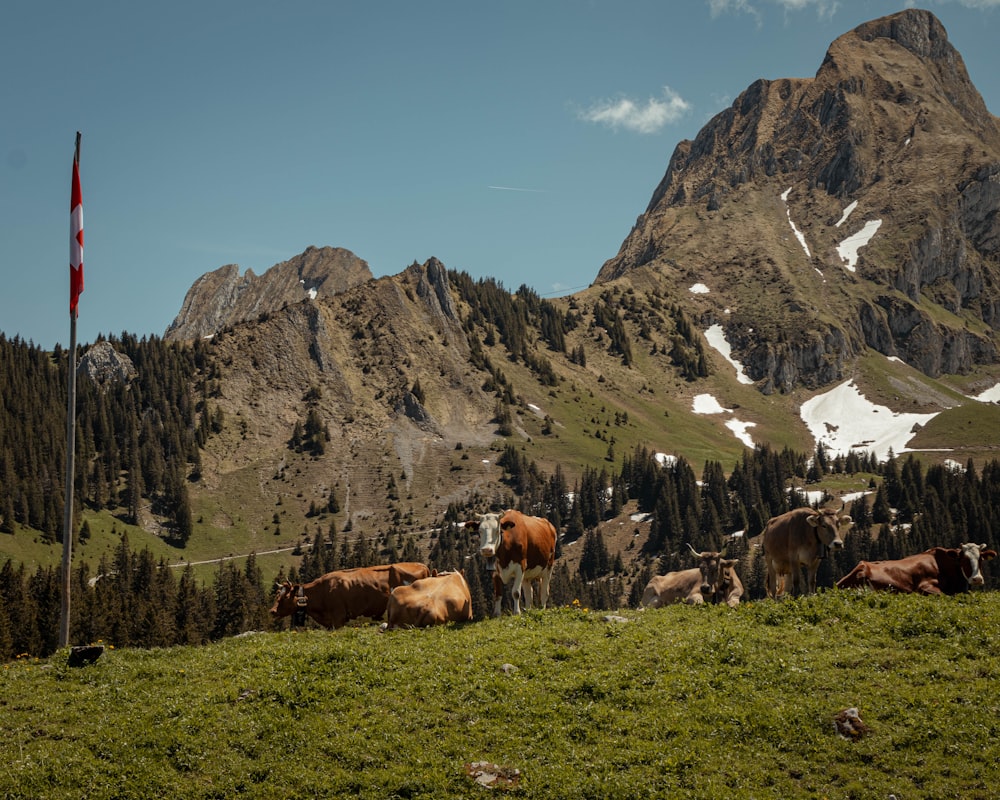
(86,654)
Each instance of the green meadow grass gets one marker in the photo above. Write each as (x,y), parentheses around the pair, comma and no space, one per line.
(683,701)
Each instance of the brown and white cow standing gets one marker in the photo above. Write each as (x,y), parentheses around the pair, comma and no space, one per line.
(518,549)
(443,597)
(714,580)
(801,538)
(940,570)
(338,597)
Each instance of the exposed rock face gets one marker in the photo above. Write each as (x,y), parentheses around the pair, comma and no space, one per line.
(891,143)
(354,359)
(223,298)
(103,364)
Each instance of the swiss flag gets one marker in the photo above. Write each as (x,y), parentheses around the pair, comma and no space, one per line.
(75,235)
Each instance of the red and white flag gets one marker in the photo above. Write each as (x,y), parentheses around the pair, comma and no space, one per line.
(75,235)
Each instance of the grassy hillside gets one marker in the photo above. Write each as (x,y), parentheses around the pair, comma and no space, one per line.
(679,702)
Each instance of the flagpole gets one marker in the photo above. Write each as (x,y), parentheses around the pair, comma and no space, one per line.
(67,554)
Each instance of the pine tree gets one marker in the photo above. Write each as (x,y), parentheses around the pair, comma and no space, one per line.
(594,561)
(193,612)
(881,513)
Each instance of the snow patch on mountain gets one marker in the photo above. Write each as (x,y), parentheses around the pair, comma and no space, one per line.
(717,338)
(707,404)
(843,419)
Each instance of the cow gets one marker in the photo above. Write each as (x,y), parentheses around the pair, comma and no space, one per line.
(729,588)
(940,570)
(800,538)
(441,598)
(338,597)
(714,580)
(518,549)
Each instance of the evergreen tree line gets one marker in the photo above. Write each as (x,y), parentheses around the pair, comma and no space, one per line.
(137,441)
(132,600)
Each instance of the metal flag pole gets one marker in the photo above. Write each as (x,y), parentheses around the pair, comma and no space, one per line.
(67,554)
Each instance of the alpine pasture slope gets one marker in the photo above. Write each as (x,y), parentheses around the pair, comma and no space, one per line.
(697,702)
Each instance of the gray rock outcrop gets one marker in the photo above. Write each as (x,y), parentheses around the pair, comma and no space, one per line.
(223,298)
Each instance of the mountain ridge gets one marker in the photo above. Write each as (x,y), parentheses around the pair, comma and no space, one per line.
(224,297)
(891,123)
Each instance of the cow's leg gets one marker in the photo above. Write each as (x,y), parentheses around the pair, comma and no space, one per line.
(543,590)
(796,581)
(772,580)
(811,582)
(497,595)
(528,593)
(516,587)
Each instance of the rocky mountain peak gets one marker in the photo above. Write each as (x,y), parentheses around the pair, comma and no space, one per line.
(223,298)
(857,209)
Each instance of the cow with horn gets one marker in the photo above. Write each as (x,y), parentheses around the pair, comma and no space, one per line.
(800,539)
(714,580)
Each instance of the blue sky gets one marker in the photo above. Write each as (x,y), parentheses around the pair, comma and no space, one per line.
(516,140)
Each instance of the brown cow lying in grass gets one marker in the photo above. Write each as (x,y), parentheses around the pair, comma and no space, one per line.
(940,570)
(436,600)
(714,580)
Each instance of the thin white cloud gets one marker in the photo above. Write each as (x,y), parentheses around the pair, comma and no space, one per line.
(982,5)
(825,9)
(630,115)
(716,8)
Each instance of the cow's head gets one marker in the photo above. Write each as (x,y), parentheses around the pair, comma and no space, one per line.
(831,526)
(727,574)
(488,526)
(970,557)
(288,600)
(709,563)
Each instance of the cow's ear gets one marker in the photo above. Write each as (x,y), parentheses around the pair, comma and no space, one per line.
(507,524)
(813,519)
(730,562)
(846,520)
(987,555)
